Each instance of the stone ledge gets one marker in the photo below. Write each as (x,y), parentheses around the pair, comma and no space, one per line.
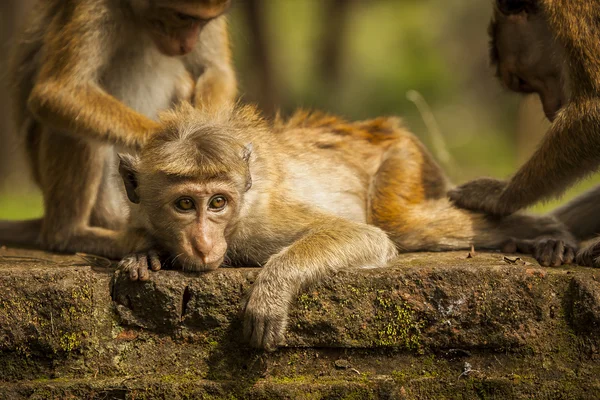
(71,327)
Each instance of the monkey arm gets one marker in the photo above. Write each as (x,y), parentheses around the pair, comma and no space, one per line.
(569,151)
(329,245)
(210,63)
(66,95)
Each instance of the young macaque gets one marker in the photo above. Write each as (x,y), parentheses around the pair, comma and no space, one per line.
(550,47)
(302,199)
(92,74)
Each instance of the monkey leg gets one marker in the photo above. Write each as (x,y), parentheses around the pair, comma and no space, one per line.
(329,244)
(582,215)
(416,221)
(70,178)
(110,210)
(20,233)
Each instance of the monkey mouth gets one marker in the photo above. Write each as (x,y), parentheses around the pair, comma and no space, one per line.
(190,264)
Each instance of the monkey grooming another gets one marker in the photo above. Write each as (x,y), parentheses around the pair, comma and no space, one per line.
(93,74)
(301,198)
(552,48)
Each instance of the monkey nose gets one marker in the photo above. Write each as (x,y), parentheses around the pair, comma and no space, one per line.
(203,251)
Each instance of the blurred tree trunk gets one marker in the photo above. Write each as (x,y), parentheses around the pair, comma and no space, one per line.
(532,125)
(261,62)
(12,164)
(330,58)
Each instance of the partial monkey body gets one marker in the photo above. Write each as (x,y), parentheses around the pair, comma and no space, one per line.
(302,198)
(92,75)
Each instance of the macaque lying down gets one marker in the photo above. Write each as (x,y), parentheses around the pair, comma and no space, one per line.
(301,198)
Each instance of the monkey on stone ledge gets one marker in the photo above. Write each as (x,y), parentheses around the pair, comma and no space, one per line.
(301,198)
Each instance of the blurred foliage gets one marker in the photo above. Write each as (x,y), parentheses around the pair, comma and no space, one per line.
(436,47)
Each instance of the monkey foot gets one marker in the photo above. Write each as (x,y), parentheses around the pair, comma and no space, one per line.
(590,254)
(548,252)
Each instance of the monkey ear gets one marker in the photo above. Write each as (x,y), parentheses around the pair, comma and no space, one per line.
(128,171)
(247,152)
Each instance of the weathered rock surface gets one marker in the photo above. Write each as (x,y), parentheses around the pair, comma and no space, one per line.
(431,325)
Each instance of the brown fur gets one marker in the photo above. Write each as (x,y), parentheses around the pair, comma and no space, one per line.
(368,190)
(92,74)
(552,50)
(550,47)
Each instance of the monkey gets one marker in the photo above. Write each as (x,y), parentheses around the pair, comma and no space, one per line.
(301,198)
(90,76)
(550,48)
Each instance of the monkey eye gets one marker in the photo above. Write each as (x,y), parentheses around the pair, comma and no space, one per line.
(217,203)
(185,17)
(185,204)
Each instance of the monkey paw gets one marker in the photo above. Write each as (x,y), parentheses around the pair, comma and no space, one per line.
(549,252)
(481,195)
(265,319)
(589,256)
(137,265)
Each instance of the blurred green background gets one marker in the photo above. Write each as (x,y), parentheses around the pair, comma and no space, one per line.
(358,59)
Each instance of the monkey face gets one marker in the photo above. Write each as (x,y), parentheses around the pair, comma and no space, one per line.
(527,58)
(192,220)
(175,25)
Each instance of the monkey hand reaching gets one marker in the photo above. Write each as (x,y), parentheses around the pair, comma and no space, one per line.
(483,194)
(265,315)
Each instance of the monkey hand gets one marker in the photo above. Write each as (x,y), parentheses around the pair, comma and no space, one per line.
(483,195)
(265,316)
(589,256)
(548,251)
(137,265)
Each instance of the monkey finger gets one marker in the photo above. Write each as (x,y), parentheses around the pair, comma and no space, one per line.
(569,255)
(155,264)
(545,252)
(558,253)
(129,266)
(143,274)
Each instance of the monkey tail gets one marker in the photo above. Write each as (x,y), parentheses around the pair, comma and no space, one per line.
(20,233)
(439,226)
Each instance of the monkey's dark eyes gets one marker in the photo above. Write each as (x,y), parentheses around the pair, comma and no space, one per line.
(217,203)
(185,204)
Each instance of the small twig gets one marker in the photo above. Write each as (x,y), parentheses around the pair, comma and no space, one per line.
(472,252)
(438,142)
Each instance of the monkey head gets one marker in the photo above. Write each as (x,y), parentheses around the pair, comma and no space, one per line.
(526,55)
(188,186)
(175,25)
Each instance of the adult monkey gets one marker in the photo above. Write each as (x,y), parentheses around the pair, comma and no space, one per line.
(92,74)
(550,47)
(301,198)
